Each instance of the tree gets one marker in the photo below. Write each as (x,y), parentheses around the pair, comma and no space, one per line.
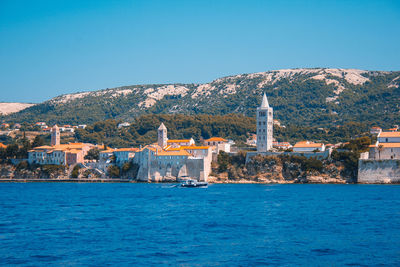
(113,171)
(12,150)
(93,154)
(38,141)
(75,171)
(223,161)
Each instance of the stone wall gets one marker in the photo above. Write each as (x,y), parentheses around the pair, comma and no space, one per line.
(378,171)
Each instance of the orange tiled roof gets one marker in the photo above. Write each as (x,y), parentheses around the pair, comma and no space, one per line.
(216,139)
(173,153)
(2,145)
(307,144)
(386,145)
(178,141)
(389,134)
(127,149)
(187,148)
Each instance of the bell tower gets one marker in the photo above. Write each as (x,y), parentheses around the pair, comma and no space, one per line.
(162,136)
(55,136)
(264,126)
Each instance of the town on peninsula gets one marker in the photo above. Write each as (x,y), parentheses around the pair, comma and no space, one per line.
(37,151)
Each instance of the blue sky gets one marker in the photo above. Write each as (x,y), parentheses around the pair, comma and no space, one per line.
(48,48)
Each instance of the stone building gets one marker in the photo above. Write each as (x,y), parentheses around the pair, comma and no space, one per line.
(264,126)
(160,162)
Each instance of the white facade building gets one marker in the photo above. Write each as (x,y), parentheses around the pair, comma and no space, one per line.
(387,146)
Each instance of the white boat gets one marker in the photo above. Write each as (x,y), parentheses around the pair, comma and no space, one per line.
(193,183)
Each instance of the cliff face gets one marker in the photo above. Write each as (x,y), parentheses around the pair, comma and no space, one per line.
(267,169)
(8,171)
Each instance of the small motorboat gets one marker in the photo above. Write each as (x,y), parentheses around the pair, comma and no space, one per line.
(193,183)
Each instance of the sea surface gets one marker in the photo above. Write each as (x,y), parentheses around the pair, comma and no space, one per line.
(60,224)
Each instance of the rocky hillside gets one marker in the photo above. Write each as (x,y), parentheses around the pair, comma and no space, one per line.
(9,108)
(299,96)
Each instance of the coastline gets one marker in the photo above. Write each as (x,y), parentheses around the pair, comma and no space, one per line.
(118,180)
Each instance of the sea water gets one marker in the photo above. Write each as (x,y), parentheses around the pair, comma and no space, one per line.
(224,224)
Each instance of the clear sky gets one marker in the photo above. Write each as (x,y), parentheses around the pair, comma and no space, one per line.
(53,47)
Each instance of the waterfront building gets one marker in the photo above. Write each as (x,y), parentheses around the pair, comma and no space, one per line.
(61,154)
(172,161)
(124,155)
(264,126)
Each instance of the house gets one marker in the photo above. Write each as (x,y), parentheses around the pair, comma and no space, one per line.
(3,146)
(40,124)
(389,137)
(308,146)
(82,126)
(59,154)
(124,124)
(282,145)
(252,140)
(386,147)
(5,125)
(214,141)
(375,130)
(123,155)
(218,144)
(180,142)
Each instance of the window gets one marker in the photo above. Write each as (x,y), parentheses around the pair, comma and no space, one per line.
(259,123)
(387,140)
(263,122)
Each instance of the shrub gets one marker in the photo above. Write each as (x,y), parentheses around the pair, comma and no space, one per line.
(75,171)
(113,171)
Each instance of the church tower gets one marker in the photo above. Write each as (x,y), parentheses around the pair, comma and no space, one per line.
(264,126)
(162,136)
(55,136)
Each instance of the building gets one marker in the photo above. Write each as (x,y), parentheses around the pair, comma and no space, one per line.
(375,130)
(3,146)
(124,155)
(386,147)
(308,146)
(61,154)
(173,161)
(55,136)
(282,145)
(124,124)
(218,144)
(264,126)
(181,142)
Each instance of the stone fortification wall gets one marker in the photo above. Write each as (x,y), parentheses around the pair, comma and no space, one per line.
(378,171)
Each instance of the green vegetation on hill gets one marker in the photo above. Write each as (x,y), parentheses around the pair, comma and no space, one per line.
(144,130)
(297,99)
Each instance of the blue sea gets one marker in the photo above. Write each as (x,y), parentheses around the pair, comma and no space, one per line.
(123,224)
